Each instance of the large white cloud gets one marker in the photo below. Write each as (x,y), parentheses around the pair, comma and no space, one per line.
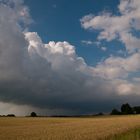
(50,75)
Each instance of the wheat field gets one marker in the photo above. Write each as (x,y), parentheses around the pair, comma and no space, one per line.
(96,128)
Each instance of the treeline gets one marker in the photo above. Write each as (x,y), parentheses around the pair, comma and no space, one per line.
(126,109)
(33,114)
(9,115)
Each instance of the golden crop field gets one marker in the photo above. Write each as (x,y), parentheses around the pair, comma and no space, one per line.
(66,128)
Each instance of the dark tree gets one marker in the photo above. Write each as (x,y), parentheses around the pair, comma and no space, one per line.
(115,112)
(136,109)
(126,109)
(33,114)
(10,115)
(100,114)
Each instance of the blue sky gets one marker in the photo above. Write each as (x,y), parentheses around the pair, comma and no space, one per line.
(59,20)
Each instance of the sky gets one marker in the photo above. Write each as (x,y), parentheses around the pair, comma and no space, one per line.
(60,57)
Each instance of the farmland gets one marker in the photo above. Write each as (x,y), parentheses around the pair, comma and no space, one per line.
(93,128)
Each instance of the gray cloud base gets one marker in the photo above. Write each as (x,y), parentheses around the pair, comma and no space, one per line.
(50,76)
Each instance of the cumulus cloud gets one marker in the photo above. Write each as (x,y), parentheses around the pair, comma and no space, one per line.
(122,27)
(51,76)
(118,67)
(117,27)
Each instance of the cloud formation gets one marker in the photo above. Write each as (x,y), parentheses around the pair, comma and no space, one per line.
(117,27)
(51,76)
(124,28)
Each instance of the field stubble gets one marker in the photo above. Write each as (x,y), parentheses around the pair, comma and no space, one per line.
(96,128)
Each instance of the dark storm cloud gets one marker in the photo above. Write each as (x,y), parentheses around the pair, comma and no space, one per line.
(49,76)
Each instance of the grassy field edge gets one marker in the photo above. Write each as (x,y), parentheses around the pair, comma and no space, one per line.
(129,135)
